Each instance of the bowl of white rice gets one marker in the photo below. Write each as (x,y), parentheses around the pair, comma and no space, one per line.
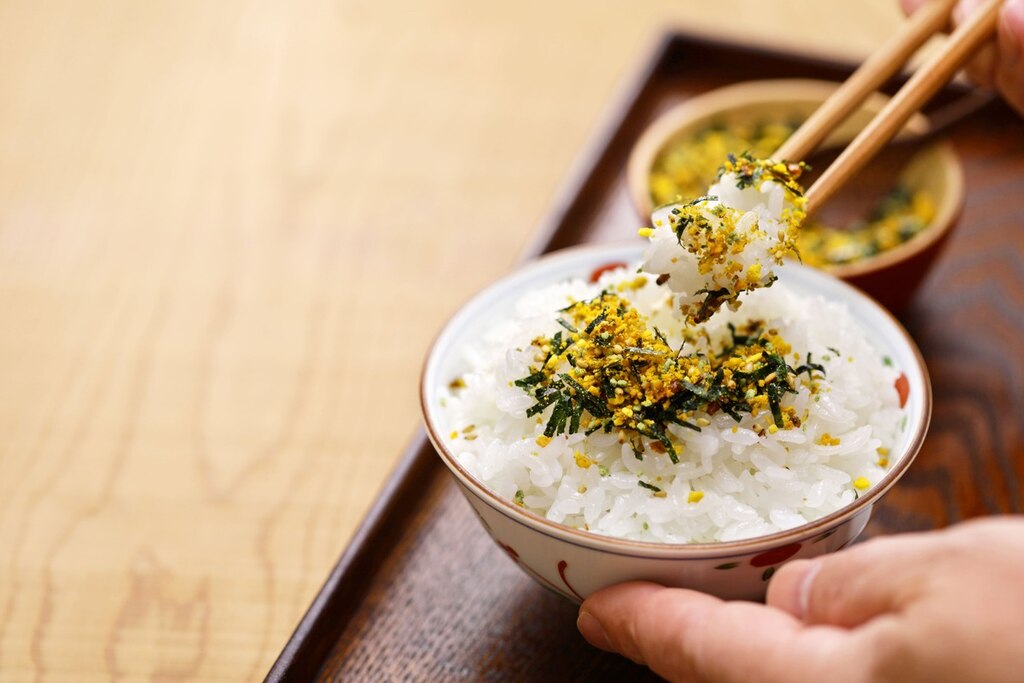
(599,439)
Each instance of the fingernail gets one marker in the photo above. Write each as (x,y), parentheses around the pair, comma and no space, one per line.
(592,630)
(804,592)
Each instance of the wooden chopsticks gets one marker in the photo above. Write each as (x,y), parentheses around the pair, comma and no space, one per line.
(926,81)
(875,71)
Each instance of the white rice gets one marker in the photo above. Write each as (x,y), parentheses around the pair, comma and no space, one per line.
(752,485)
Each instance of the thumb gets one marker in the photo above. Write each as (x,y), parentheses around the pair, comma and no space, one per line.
(685,635)
(855,585)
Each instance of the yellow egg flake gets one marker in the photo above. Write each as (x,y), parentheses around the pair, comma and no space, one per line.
(582,461)
(772,429)
(634,284)
(454,435)
(645,232)
(543,441)
(781,346)
(827,439)
(861,483)
(883,456)
(695,497)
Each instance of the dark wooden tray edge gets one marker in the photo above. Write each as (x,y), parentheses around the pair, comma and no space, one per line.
(337,599)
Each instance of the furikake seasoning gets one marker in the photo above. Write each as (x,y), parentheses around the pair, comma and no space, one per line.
(609,370)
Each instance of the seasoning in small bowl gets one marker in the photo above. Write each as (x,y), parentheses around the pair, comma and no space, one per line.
(886,251)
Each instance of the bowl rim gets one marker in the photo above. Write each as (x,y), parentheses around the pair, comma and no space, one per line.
(769,91)
(634,548)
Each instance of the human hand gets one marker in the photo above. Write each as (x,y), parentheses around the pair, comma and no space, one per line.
(938,606)
(999,64)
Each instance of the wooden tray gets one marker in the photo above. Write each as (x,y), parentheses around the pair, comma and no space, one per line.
(422,594)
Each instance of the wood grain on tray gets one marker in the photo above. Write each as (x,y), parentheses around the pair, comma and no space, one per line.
(424,594)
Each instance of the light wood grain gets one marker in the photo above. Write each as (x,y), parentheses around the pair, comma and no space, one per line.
(228,231)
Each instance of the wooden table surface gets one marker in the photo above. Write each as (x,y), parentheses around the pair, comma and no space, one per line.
(228,231)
